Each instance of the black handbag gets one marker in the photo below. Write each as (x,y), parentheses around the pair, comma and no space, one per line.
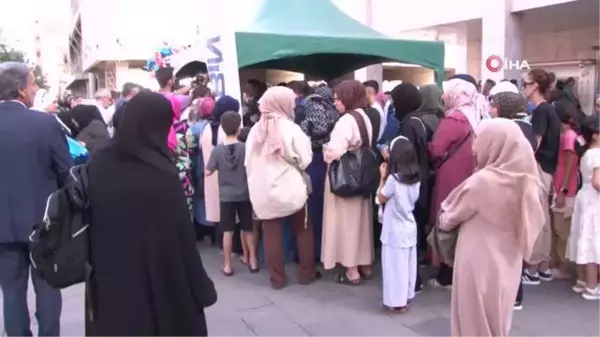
(356,173)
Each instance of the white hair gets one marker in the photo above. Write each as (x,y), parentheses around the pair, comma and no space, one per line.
(103,93)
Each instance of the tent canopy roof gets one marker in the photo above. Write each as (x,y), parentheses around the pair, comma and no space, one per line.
(316,38)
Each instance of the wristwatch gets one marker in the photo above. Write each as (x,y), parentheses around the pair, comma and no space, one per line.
(564,191)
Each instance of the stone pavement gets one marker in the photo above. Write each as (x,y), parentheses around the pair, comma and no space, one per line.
(247,306)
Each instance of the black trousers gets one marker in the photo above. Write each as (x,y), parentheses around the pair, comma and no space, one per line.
(445,274)
(520,291)
(421,215)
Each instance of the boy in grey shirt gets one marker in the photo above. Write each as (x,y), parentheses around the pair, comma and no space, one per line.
(228,160)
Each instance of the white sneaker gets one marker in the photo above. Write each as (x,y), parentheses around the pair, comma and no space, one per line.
(591,294)
(579,287)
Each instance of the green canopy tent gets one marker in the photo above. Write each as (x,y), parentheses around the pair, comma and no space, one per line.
(316,38)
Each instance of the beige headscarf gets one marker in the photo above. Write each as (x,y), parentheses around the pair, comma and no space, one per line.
(276,103)
(506,183)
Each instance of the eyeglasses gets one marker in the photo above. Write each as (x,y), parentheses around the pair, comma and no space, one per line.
(525,84)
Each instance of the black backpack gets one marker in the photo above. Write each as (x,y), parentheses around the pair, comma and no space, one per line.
(59,245)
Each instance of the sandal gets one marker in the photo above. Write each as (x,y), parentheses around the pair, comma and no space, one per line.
(365,276)
(228,274)
(396,310)
(344,279)
(253,270)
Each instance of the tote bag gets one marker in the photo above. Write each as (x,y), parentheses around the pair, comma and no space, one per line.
(443,242)
(356,173)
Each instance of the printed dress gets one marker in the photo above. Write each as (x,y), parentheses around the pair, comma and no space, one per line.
(183,161)
(583,246)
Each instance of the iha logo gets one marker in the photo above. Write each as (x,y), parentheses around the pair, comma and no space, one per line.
(495,63)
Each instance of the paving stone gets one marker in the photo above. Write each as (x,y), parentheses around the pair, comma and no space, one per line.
(247,306)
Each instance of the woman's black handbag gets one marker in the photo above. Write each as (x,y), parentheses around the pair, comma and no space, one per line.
(356,173)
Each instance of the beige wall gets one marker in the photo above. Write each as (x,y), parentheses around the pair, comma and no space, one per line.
(414,75)
(271,77)
(548,46)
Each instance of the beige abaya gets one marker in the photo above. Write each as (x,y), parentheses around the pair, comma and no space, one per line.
(498,213)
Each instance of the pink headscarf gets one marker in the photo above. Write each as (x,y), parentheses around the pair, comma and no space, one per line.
(172,140)
(206,107)
(276,103)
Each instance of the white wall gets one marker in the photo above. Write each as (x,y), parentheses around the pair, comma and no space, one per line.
(396,16)
(140,27)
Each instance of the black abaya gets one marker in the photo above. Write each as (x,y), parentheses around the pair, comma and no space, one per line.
(148,278)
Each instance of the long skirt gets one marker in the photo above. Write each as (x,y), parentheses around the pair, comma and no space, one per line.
(399,269)
(317,170)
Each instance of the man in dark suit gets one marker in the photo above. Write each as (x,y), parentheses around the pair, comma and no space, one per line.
(35,161)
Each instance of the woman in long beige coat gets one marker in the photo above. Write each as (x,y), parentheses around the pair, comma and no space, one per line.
(347,222)
(497,212)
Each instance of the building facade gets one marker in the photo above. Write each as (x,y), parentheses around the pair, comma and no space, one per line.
(559,35)
(112,39)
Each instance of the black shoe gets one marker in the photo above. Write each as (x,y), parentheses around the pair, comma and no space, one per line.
(518,305)
(529,279)
(546,276)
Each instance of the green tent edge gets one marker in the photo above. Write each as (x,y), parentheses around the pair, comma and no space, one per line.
(259,48)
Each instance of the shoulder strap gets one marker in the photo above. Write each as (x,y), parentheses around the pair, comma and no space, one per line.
(362,128)
(422,124)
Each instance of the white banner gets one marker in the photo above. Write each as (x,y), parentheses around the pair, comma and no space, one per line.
(222,65)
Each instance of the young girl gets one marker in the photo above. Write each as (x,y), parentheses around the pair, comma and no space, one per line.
(398,192)
(564,186)
(583,246)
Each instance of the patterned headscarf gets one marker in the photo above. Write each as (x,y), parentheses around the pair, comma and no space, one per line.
(201,108)
(510,105)
(321,115)
(326,94)
(461,95)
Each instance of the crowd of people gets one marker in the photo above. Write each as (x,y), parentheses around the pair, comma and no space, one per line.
(496,187)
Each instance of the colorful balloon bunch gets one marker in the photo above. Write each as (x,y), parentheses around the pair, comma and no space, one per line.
(160,58)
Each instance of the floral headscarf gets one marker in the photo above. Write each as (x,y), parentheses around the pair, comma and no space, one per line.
(462,95)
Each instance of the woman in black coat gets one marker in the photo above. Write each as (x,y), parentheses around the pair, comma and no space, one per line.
(147,276)
(90,129)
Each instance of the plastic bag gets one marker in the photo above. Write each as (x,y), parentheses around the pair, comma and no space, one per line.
(78,152)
